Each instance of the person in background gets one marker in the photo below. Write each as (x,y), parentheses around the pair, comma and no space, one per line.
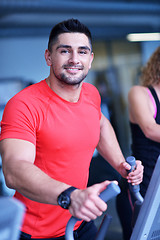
(49,132)
(144,116)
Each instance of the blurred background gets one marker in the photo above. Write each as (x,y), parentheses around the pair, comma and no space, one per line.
(24,30)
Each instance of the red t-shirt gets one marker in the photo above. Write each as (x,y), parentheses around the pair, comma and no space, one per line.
(65,135)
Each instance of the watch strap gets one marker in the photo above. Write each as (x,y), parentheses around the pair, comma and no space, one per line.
(64,198)
(69,190)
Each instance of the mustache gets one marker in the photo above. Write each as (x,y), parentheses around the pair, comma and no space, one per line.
(73,66)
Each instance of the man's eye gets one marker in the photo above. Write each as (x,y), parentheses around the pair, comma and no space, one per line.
(83,52)
(64,51)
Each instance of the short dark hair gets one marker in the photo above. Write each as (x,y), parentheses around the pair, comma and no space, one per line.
(68,26)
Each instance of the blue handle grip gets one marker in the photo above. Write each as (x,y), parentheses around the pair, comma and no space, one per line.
(135,189)
(132,162)
(111,191)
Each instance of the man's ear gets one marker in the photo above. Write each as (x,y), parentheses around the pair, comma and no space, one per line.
(48,57)
(91,59)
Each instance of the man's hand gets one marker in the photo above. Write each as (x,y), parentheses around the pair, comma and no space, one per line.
(136,176)
(86,204)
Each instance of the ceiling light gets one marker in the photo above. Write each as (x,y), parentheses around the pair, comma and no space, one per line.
(140,37)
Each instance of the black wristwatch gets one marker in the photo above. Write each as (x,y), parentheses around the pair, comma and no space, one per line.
(64,198)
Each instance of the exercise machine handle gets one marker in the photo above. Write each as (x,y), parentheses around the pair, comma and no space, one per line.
(111,191)
(135,189)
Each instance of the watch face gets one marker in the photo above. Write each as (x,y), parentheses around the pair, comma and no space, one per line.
(64,201)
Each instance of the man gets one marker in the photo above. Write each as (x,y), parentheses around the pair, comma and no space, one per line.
(49,133)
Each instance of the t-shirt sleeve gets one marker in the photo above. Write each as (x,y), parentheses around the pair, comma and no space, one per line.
(18,121)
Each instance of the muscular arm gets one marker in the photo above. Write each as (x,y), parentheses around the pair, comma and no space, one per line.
(21,174)
(108,147)
(141,112)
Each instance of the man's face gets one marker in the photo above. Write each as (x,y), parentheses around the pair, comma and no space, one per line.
(71,58)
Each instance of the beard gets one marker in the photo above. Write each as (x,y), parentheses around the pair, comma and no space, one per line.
(70,80)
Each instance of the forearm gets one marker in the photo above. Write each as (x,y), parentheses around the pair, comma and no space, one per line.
(109,148)
(31,182)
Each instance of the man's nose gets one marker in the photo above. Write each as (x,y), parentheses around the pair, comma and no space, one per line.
(74,58)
